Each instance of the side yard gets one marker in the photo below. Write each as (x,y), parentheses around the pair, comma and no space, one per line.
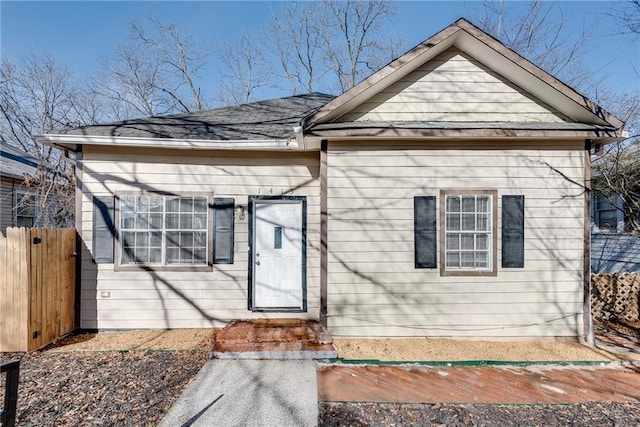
(77,385)
(103,388)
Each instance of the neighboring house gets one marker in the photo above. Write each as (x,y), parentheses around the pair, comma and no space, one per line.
(18,204)
(442,196)
(613,251)
(607,208)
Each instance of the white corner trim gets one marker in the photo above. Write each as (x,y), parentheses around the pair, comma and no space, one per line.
(122,141)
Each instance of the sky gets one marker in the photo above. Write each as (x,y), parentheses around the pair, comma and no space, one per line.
(79,33)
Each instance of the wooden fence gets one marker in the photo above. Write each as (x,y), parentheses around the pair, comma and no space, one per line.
(37,285)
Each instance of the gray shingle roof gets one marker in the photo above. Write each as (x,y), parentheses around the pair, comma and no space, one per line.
(271,119)
(16,163)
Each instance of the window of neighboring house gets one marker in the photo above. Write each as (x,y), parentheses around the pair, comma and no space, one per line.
(606,213)
(161,230)
(25,210)
(469,232)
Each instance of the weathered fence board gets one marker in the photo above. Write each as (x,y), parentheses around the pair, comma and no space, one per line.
(37,268)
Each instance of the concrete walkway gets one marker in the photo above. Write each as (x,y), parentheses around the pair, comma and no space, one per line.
(249,393)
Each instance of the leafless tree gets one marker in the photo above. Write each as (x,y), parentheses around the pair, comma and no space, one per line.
(351,39)
(296,34)
(627,14)
(538,31)
(156,71)
(243,69)
(616,172)
(324,46)
(38,95)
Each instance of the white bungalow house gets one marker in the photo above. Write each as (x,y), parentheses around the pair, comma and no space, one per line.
(445,195)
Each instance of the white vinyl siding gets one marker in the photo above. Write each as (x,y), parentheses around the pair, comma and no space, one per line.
(453,87)
(373,285)
(179,299)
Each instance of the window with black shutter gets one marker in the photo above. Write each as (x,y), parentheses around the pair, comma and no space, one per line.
(424,229)
(223,230)
(512,231)
(103,229)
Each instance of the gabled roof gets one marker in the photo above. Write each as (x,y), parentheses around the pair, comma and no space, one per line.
(271,120)
(15,163)
(463,35)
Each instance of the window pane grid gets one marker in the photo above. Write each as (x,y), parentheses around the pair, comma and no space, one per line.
(468,232)
(25,210)
(164,230)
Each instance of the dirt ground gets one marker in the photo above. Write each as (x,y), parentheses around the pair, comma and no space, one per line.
(152,339)
(439,349)
(388,349)
(385,349)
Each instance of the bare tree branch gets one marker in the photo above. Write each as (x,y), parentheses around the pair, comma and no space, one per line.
(38,95)
(243,69)
(154,72)
(535,32)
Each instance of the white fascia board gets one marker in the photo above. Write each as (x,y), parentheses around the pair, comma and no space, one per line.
(187,144)
(530,83)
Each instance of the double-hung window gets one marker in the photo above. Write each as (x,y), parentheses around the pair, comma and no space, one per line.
(469,231)
(25,210)
(606,213)
(164,230)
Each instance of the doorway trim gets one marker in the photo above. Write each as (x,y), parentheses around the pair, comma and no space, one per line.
(252,201)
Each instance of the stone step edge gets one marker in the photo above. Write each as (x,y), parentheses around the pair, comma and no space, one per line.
(274,354)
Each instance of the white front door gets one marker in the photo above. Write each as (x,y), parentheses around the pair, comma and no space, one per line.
(278,243)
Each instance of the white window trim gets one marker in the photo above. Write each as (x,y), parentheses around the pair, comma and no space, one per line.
(491,270)
(119,266)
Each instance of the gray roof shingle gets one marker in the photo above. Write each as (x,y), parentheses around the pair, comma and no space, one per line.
(271,119)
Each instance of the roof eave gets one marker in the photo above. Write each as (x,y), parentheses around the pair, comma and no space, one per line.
(602,136)
(72,142)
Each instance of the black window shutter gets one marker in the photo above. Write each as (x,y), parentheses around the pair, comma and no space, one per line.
(223,234)
(512,231)
(104,229)
(424,229)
